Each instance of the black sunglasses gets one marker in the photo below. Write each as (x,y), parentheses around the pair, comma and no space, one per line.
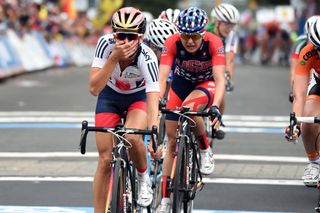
(130,36)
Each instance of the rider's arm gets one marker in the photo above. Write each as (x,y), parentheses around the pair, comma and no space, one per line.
(102,66)
(166,62)
(216,49)
(219,77)
(231,46)
(293,66)
(108,52)
(301,78)
(230,64)
(148,64)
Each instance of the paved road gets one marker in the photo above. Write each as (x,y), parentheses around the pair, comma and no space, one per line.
(40,165)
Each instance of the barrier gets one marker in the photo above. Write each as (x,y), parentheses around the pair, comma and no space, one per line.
(10,64)
(31,52)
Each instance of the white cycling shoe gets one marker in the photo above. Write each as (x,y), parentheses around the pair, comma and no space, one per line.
(145,193)
(311,174)
(207,162)
(165,206)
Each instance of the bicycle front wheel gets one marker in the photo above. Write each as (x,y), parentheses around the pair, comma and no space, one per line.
(117,188)
(179,185)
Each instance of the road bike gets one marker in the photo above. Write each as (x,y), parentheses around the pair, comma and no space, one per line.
(293,122)
(122,192)
(185,177)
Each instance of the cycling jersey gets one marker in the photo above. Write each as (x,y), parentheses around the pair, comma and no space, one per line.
(141,74)
(194,67)
(230,42)
(193,71)
(309,65)
(299,43)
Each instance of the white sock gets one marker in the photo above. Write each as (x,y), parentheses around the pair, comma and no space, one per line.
(205,150)
(143,176)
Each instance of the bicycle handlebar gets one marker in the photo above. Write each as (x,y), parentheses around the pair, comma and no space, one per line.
(295,119)
(119,129)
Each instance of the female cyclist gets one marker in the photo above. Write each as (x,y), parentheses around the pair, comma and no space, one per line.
(198,82)
(124,76)
(306,90)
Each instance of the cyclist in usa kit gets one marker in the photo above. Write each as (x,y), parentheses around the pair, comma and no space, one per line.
(306,102)
(198,82)
(124,76)
(298,45)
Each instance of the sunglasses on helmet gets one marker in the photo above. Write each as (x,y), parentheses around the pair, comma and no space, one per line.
(194,37)
(130,36)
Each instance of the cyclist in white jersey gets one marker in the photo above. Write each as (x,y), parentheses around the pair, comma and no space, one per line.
(124,76)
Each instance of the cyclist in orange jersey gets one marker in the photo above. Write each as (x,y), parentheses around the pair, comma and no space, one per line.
(306,91)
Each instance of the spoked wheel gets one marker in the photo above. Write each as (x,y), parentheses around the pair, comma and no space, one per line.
(179,178)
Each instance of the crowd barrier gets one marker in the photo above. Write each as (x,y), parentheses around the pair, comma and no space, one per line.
(31,52)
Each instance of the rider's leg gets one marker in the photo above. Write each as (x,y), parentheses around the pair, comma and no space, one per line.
(310,138)
(137,118)
(104,143)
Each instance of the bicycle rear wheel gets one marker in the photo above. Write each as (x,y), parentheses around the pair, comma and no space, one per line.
(179,178)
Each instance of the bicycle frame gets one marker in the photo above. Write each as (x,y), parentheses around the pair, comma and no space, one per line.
(122,170)
(186,163)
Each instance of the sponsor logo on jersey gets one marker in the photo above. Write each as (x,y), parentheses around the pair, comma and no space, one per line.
(112,41)
(146,55)
(221,50)
(309,54)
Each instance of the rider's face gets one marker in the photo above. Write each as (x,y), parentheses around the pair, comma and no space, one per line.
(191,42)
(225,28)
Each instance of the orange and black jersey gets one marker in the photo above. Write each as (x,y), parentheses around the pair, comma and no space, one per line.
(194,67)
(308,59)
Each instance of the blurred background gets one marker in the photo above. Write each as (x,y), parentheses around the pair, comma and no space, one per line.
(40,34)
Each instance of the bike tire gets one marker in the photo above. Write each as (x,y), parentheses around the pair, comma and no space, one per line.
(162,129)
(179,178)
(117,188)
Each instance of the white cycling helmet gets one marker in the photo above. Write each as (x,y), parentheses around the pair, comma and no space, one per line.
(159,30)
(309,22)
(314,33)
(226,13)
(170,14)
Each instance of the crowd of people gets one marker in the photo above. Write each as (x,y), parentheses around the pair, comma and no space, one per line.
(48,18)
(182,56)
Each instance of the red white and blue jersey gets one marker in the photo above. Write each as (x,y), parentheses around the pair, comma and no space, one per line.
(142,73)
(194,67)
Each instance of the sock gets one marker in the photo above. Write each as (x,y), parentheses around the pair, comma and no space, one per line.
(142,175)
(203,141)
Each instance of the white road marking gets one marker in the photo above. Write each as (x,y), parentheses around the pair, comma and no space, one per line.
(232,157)
(205,180)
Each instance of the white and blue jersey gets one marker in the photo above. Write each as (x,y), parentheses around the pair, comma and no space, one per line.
(142,74)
